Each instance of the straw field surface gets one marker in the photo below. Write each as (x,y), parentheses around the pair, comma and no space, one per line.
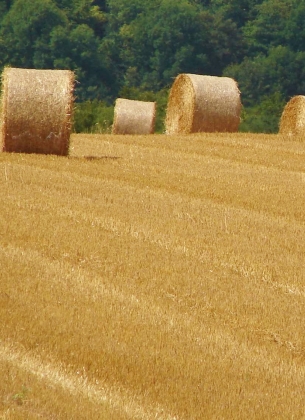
(154,277)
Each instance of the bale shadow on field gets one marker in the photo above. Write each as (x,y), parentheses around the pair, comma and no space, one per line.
(102,157)
(96,158)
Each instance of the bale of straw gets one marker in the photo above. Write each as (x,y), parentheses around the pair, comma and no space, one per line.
(134,117)
(200,103)
(37,110)
(293,117)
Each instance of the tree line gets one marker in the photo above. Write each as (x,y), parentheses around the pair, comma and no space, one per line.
(135,49)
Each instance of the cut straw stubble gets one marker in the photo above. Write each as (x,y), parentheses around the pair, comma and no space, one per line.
(37,110)
(200,103)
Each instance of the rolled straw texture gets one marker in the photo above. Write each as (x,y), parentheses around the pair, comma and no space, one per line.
(37,110)
(134,117)
(293,117)
(200,103)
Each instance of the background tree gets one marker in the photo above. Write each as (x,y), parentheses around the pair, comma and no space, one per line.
(60,35)
(25,32)
(239,11)
(137,48)
(269,28)
(272,70)
(155,41)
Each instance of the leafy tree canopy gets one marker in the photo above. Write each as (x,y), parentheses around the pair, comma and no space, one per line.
(58,34)
(134,46)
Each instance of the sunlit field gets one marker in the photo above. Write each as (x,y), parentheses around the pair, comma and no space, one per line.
(154,277)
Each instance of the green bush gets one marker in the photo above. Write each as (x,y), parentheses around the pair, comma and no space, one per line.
(92,117)
(264,117)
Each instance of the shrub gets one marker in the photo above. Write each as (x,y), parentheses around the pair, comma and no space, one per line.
(264,117)
(93,117)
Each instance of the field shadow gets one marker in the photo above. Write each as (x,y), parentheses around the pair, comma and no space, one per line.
(95,158)
(102,157)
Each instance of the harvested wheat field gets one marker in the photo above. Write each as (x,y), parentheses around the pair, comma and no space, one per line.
(148,277)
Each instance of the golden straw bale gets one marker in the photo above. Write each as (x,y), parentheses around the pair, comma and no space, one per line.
(203,104)
(293,117)
(134,117)
(37,110)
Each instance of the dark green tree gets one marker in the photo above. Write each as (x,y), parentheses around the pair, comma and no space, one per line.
(153,41)
(47,34)
(281,70)
(239,11)
(264,116)
(89,12)
(295,26)
(227,45)
(4,7)
(269,28)
(266,83)
(25,33)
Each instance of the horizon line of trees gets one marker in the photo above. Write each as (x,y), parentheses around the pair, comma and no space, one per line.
(135,49)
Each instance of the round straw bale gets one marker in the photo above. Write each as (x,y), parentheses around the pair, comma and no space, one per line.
(203,104)
(36,110)
(134,117)
(293,117)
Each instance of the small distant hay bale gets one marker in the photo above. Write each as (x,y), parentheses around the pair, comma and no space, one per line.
(293,117)
(37,110)
(203,104)
(134,117)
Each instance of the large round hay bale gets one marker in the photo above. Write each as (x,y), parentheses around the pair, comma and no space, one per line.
(134,117)
(37,110)
(203,104)
(293,117)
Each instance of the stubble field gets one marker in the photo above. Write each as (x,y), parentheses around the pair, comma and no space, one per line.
(154,277)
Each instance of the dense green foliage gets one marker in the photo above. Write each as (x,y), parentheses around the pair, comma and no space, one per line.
(135,49)
(93,116)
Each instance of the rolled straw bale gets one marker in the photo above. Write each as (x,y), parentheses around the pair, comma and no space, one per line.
(200,103)
(37,110)
(293,117)
(134,117)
